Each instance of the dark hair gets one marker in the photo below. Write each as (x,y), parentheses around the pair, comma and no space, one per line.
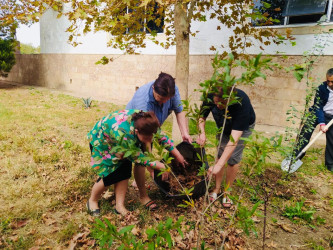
(164,85)
(220,91)
(330,72)
(146,122)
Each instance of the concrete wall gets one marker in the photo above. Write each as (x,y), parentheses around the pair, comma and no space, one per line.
(117,81)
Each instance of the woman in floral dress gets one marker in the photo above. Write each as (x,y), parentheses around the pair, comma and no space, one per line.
(118,140)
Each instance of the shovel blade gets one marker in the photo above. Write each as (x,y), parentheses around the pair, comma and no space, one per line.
(286,167)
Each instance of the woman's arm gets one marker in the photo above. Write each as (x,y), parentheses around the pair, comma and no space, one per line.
(182,124)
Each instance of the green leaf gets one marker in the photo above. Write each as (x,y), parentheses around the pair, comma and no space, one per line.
(127,154)
(151,233)
(126,229)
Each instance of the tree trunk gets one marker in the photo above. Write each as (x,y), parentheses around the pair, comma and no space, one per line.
(182,32)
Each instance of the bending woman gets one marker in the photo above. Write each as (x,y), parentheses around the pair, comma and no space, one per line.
(116,141)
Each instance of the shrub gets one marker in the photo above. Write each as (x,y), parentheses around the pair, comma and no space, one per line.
(7,56)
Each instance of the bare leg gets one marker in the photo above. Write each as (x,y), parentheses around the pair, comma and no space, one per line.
(218,181)
(231,174)
(150,170)
(96,193)
(120,189)
(140,178)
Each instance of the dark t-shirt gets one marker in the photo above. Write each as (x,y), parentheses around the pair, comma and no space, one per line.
(241,114)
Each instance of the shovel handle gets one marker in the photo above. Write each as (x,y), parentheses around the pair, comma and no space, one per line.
(316,137)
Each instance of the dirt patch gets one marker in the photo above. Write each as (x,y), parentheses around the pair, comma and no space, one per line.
(185,177)
(282,232)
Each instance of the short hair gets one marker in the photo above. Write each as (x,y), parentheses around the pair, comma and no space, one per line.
(220,91)
(330,72)
(164,85)
(146,122)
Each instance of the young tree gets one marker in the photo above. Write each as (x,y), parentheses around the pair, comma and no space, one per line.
(129,22)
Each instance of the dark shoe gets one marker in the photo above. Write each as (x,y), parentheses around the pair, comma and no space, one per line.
(115,211)
(96,212)
(151,205)
(330,168)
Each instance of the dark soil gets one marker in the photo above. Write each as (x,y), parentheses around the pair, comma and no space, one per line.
(183,177)
(187,177)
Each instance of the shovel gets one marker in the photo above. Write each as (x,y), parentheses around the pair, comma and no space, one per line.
(290,165)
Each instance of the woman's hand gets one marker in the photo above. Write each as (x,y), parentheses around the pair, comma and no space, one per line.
(165,176)
(159,166)
(120,156)
(187,137)
(181,160)
(178,157)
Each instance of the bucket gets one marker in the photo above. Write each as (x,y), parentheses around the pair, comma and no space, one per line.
(190,154)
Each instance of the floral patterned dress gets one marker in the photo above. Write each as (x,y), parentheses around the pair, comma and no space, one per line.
(116,130)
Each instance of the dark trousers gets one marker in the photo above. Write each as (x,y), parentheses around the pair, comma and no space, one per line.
(329,144)
(305,137)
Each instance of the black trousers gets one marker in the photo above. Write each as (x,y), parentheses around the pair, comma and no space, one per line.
(305,137)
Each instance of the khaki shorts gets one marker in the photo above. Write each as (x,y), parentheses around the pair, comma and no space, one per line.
(236,156)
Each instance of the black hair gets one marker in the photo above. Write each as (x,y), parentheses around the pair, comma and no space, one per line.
(164,85)
(330,72)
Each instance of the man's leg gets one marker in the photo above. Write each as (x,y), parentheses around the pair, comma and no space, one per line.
(232,171)
(329,148)
(220,175)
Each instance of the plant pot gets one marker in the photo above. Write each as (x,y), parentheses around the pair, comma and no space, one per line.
(190,154)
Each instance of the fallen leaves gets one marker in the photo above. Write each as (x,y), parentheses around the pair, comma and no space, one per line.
(18,224)
(48,221)
(108,195)
(81,239)
(272,244)
(287,228)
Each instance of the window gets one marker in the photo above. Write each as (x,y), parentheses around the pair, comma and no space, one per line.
(294,11)
(151,25)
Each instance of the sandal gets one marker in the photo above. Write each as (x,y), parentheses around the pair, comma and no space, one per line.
(226,202)
(151,205)
(212,197)
(96,212)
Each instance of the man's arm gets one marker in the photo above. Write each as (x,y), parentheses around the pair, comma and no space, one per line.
(230,147)
(182,124)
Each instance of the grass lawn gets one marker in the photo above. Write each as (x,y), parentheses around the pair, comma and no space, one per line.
(46,180)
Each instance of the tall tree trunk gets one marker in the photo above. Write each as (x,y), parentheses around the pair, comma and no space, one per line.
(182,32)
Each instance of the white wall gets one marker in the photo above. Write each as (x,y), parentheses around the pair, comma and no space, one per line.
(54,40)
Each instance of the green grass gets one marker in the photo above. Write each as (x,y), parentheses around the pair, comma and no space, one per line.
(299,211)
(46,178)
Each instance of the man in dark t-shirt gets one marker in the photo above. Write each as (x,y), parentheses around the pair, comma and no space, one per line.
(239,123)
